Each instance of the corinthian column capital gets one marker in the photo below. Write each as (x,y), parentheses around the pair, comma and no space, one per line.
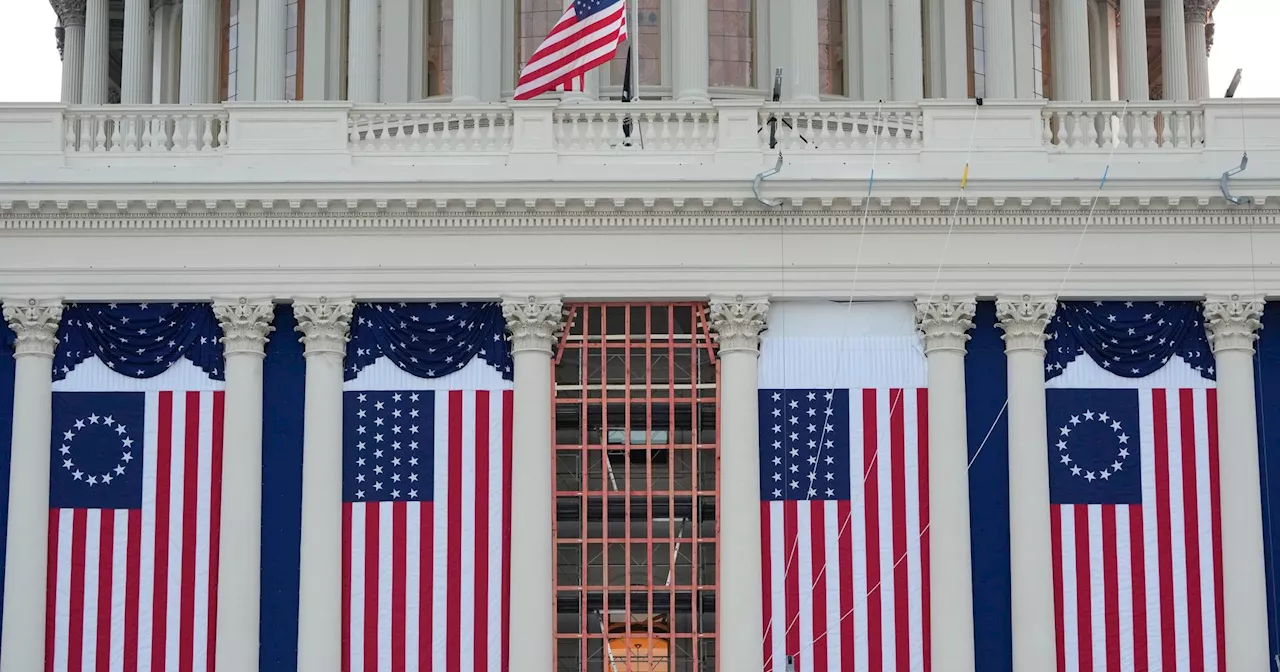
(35,323)
(738,321)
(1197,11)
(325,324)
(534,323)
(945,323)
(1232,322)
(245,325)
(1024,319)
(70,12)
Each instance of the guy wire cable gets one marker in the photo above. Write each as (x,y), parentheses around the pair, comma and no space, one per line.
(1101,185)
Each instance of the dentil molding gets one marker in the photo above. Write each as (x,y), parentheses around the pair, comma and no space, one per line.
(534,322)
(325,324)
(1232,322)
(36,325)
(945,323)
(1023,320)
(245,325)
(737,323)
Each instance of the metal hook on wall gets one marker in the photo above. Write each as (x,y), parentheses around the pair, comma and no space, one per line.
(1226,192)
(755,184)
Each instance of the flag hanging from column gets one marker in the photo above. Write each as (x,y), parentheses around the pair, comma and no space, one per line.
(586,37)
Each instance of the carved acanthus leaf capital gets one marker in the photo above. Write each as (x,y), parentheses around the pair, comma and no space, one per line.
(1197,11)
(35,323)
(737,323)
(1232,322)
(70,12)
(1024,319)
(945,323)
(245,325)
(534,323)
(325,324)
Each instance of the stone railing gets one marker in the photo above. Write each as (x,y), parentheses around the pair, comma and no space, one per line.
(1158,125)
(842,126)
(436,128)
(189,129)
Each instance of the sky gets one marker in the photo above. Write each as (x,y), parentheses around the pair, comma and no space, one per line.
(33,70)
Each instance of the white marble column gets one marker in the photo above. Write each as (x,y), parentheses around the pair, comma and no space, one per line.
(1001,68)
(1232,323)
(737,322)
(71,15)
(193,82)
(1070,48)
(534,324)
(245,326)
(1197,16)
(908,51)
(1023,320)
(800,79)
(270,53)
(1173,40)
(468,42)
(97,43)
(690,53)
(27,543)
(362,50)
(953,59)
(875,50)
(1134,83)
(325,325)
(396,42)
(135,73)
(945,325)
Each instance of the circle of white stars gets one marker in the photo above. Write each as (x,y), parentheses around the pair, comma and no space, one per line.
(84,424)
(1122,440)
(400,438)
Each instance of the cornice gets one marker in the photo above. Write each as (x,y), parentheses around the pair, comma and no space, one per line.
(983,214)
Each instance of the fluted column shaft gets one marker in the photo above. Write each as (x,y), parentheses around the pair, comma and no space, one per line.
(801,76)
(97,43)
(71,16)
(1173,39)
(325,325)
(196,70)
(269,74)
(908,51)
(534,325)
(690,52)
(468,40)
(27,541)
(1023,320)
(1197,15)
(362,50)
(1001,69)
(1134,83)
(1232,323)
(875,50)
(135,75)
(245,326)
(945,325)
(737,323)
(1071,81)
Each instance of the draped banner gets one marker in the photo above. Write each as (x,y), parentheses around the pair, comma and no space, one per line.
(844,488)
(7,364)
(135,488)
(427,434)
(1133,488)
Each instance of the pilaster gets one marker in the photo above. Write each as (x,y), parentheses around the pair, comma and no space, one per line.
(737,322)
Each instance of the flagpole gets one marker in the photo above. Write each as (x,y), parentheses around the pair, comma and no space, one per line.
(633,35)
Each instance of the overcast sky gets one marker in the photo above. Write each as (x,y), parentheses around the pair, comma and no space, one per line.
(1245,30)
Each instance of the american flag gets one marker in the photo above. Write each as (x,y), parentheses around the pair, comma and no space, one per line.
(845,507)
(586,37)
(1137,545)
(135,501)
(426,530)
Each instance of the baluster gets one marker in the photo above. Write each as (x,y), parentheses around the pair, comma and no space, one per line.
(222,130)
(131,136)
(99,136)
(1197,128)
(206,137)
(1184,128)
(1046,132)
(1089,127)
(69,137)
(476,135)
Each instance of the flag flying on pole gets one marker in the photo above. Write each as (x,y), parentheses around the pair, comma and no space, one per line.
(844,490)
(427,436)
(135,489)
(586,37)
(1133,488)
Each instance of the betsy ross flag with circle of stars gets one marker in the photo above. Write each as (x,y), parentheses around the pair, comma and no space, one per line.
(1133,491)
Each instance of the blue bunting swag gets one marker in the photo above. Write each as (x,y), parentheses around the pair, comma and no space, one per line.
(428,340)
(139,340)
(1128,338)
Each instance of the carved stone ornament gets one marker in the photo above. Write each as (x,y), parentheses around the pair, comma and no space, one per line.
(1196,11)
(737,323)
(1023,320)
(36,325)
(325,325)
(245,325)
(1232,322)
(945,323)
(70,12)
(534,324)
